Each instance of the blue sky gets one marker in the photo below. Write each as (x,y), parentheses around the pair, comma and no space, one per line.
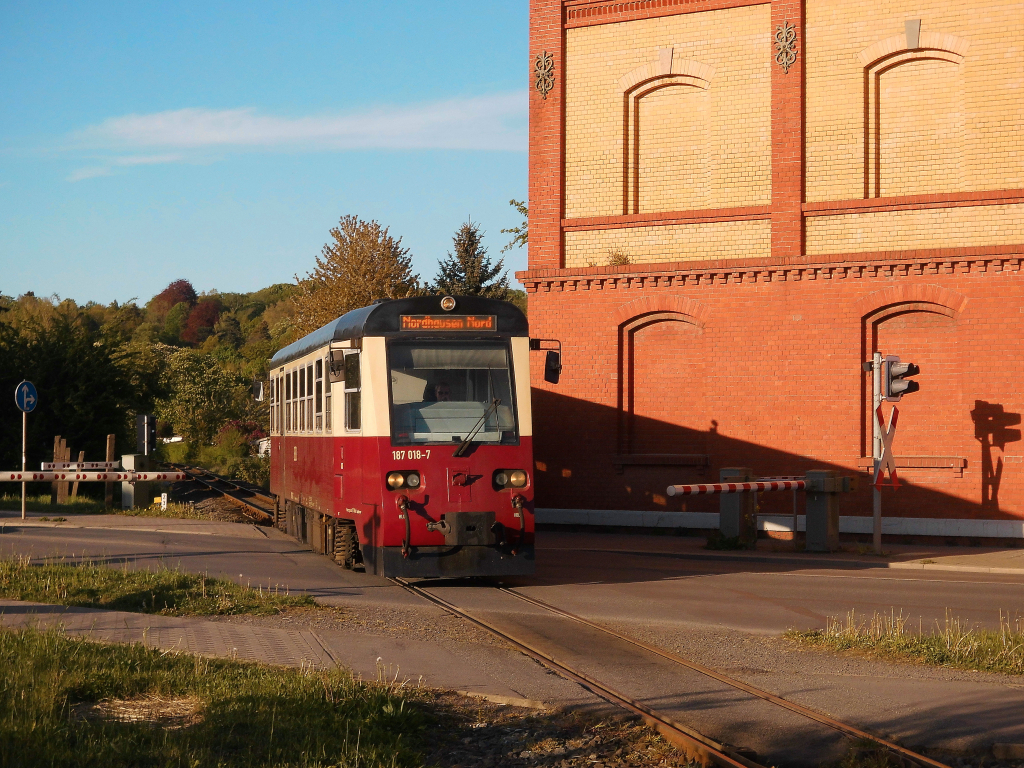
(219,142)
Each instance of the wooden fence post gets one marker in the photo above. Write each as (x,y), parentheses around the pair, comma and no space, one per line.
(62,486)
(108,488)
(56,458)
(74,488)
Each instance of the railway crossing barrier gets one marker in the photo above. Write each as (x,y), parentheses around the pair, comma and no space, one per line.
(737,505)
(132,472)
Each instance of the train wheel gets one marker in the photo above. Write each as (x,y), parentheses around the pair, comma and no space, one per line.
(346,545)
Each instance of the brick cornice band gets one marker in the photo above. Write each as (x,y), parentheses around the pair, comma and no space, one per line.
(914,202)
(906,264)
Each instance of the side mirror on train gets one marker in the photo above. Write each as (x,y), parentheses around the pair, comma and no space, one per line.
(552,366)
(257,391)
(552,360)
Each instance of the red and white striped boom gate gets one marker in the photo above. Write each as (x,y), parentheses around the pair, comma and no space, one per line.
(90,477)
(765,484)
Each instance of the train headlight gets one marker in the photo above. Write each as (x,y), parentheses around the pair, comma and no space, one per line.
(396,480)
(509,478)
(412,479)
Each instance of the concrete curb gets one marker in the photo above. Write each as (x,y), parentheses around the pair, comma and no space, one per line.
(956,568)
(826,562)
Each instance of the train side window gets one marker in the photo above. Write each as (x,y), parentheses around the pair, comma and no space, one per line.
(302,399)
(287,402)
(352,392)
(309,397)
(327,398)
(273,405)
(319,377)
(295,400)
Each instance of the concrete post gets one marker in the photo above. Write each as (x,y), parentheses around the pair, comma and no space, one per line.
(135,494)
(737,511)
(823,489)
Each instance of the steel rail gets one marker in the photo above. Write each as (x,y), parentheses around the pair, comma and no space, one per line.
(262,515)
(837,725)
(694,746)
(234,484)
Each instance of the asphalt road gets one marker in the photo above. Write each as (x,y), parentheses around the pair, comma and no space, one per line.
(722,609)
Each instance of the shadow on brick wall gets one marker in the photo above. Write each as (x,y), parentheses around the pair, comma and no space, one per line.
(584,462)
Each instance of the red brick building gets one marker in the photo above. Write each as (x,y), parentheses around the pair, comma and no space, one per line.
(733,204)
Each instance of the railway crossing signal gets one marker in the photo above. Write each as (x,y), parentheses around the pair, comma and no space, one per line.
(894,378)
(886,462)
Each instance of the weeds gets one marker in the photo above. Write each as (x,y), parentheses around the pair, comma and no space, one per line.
(185,511)
(162,591)
(80,505)
(955,643)
(72,702)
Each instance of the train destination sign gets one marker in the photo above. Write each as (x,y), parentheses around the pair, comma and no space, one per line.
(449,322)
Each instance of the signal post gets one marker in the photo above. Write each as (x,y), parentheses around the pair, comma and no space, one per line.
(889,382)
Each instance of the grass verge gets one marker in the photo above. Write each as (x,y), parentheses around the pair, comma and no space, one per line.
(163,591)
(71,702)
(952,644)
(80,505)
(174,509)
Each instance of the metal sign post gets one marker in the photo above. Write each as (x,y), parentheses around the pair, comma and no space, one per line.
(876,447)
(884,462)
(26,397)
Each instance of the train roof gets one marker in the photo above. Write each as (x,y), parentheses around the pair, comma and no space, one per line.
(384,317)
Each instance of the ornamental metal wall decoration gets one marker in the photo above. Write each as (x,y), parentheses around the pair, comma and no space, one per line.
(544,73)
(785,44)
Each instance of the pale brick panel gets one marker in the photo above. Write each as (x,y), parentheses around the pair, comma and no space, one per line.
(921,129)
(986,89)
(684,242)
(909,230)
(731,46)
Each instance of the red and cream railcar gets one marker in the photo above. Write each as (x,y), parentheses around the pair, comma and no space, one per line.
(401,438)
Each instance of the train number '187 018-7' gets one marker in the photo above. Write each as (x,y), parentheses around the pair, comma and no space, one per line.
(413,454)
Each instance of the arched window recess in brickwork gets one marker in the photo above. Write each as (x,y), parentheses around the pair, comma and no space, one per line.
(913,113)
(644,436)
(669,71)
(911,306)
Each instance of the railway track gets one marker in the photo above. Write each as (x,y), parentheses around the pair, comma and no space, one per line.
(692,744)
(254,504)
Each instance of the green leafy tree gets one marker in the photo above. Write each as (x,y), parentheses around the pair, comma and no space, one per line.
(362,263)
(469,270)
(84,393)
(520,234)
(175,321)
(202,396)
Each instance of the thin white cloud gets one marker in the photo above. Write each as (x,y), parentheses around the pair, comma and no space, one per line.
(496,122)
(91,172)
(94,171)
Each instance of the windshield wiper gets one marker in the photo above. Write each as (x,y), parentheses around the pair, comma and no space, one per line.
(476,428)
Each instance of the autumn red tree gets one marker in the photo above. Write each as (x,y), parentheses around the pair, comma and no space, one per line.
(201,320)
(177,292)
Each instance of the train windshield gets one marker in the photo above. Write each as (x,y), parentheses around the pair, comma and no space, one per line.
(441,392)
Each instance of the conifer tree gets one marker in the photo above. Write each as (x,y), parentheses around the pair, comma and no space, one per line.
(469,271)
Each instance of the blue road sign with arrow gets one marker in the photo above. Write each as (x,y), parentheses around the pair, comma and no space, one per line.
(25,396)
